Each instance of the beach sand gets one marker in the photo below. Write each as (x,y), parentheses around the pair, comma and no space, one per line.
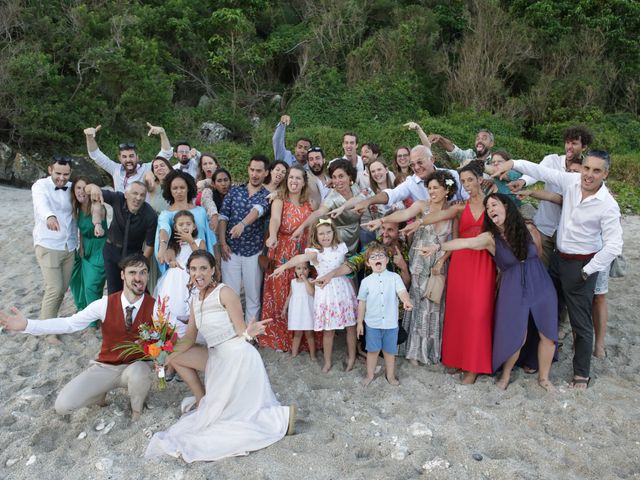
(430,426)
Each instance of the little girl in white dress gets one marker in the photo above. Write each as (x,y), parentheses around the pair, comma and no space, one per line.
(299,310)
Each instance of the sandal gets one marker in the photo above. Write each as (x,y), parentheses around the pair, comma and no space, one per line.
(577,383)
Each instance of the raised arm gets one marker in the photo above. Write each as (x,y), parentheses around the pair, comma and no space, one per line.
(166,150)
(445,143)
(295,261)
(280,152)
(424,139)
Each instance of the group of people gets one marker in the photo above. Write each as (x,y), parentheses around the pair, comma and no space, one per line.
(437,265)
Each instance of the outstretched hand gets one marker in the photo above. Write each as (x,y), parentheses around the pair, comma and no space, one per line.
(427,251)
(257,328)
(154,130)
(15,323)
(336,212)
(373,225)
(411,228)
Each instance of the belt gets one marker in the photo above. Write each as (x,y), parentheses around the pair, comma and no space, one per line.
(576,256)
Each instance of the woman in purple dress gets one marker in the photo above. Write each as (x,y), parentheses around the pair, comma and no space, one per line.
(526,321)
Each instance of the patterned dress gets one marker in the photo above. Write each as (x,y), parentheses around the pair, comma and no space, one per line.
(276,290)
(334,305)
(424,323)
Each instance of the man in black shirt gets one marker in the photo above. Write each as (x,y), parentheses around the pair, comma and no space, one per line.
(132,230)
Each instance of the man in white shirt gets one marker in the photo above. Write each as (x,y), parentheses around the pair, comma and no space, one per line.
(413,187)
(129,169)
(350,148)
(187,158)
(55,233)
(576,141)
(589,237)
(121,315)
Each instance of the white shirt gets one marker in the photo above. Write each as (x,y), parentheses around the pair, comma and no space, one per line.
(547,217)
(96,310)
(586,226)
(117,171)
(380,292)
(191,168)
(413,187)
(48,202)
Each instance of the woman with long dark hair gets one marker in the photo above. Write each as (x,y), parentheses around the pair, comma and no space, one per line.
(526,326)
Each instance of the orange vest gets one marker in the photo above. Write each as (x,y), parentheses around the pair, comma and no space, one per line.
(114,331)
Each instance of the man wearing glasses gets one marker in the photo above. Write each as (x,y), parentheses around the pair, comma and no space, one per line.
(129,169)
(187,159)
(55,236)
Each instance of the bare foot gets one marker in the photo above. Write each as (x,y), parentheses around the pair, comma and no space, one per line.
(294,355)
(546,384)
(502,383)
(367,380)
(350,364)
(468,378)
(392,381)
(135,416)
(53,340)
(326,368)
(599,352)
(414,362)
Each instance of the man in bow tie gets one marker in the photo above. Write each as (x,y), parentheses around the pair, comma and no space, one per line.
(55,236)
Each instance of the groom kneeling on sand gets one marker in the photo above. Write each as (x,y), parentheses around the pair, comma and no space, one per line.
(121,314)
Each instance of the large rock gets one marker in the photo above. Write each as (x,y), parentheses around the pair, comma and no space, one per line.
(213,132)
(22,170)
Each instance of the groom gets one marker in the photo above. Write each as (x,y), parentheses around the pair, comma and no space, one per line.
(121,314)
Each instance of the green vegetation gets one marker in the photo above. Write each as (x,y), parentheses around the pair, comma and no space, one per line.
(524,69)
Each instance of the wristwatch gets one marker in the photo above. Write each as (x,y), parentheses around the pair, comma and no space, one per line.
(584,275)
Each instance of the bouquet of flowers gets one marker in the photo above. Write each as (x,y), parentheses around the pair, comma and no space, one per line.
(155,342)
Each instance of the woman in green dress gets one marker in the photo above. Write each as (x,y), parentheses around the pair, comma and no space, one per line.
(88,277)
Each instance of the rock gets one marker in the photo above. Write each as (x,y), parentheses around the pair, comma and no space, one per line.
(213,132)
(104,464)
(418,429)
(177,475)
(255,121)
(31,461)
(399,453)
(100,425)
(108,428)
(477,457)
(82,435)
(436,463)
(11,462)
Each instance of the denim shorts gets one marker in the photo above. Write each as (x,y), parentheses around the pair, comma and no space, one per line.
(385,339)
(602,283)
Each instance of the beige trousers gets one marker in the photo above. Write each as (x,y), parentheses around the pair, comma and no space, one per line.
(56,267)
(93,384)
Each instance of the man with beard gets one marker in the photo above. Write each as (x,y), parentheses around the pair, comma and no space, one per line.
(187,158)
(319,183)
(280,152)
(129,169)
(55,234)
(244,210)
(132,229)
(121,314)
(482,151)
(576,141)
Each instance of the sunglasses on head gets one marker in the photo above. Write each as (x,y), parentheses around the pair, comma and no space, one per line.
(127,146)
(314,149)
(60,159)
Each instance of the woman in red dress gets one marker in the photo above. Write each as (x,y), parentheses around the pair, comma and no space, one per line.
(288,211)
(471,286)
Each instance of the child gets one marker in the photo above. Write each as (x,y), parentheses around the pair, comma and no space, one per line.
(334,306)
(174,282)
(378,308)
(299,307)
(498,158)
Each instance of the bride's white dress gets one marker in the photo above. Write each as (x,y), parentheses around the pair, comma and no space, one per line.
(239,412)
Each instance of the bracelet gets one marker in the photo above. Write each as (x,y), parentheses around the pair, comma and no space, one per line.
(243,224)
(246,336)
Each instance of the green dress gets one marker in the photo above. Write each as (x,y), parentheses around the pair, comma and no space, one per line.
(87,278)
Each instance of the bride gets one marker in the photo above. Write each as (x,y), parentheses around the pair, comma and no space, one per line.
(242,414)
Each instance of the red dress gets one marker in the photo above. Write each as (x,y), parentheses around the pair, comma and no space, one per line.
(276,290)
(468,316)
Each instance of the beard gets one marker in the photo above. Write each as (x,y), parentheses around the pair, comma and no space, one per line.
(316,169)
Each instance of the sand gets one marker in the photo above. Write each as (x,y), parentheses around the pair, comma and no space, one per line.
(430,426)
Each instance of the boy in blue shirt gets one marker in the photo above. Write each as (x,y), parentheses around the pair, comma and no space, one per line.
(378,308)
